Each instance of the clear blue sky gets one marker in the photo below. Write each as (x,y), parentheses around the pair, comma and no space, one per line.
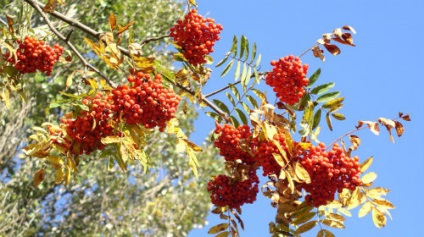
(380,77)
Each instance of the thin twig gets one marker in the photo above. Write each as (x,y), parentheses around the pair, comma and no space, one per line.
(3,22)
(35,5)
(146,41)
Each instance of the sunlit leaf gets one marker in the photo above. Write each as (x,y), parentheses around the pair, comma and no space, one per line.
(333,104)
(237,71)
(369,177)
(350,28)
(234,90)
(378,218)
(383,204)
(230,98)
(373,126)
(303,218)
(365,209)
(302,173)
(243,45)
(356,141)
(252,101)
(333,223)
(234,121)
(377,192)
(213,115)
(366,164)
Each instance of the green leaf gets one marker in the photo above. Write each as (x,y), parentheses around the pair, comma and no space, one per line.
(322,88)
(329,123)
(233,89)
(243,46)
(252,101)
(308,115)
(327,97)
(258,61)
(54,105)
(214,116)
(242,116)
(234,46)
(234,121)
(230,98)
(304,101)
(221,105)
(227,68)
(223,60)
(253,53)
(243,74)
(338,116)
(333,103)
(314,77)
(245,107)
(237,72)
(317,119)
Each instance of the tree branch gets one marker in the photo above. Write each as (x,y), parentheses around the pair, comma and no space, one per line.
(36,6)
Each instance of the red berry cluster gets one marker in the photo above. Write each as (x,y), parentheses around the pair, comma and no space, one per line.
(34,55)
(288,79)
(144,101)
(263,154)
(229,143)
(89,127)
(196,36)
(330,172)
(225,191)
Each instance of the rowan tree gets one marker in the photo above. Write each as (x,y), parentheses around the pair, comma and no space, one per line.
(114,116)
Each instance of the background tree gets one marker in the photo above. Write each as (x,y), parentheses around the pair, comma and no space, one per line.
(103,201)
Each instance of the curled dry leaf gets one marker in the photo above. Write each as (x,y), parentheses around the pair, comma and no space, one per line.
(39,177)
(334,50)
(318,52)
(349,28)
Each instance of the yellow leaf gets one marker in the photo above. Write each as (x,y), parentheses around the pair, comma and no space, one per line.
(335,216)
(369,178)
(124,28)
(366,164)
(39,177)
(223,234)
(355,142)
(111,139)
(328,233)
(192,145)
(333,223)
(144,64)
(193,2)
(302,174)
(59,177)
(383,204)
(218,228)
(55,161)
(365,209)
(305,227)
(377,192)
(378,218)
(112,21)
(279,159)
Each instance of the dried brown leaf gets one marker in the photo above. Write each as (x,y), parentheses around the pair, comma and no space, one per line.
(378,218)
(318,52)
(112,21)
(39,177)
(333,49)
(399,128)
(218,228)
(349,28)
